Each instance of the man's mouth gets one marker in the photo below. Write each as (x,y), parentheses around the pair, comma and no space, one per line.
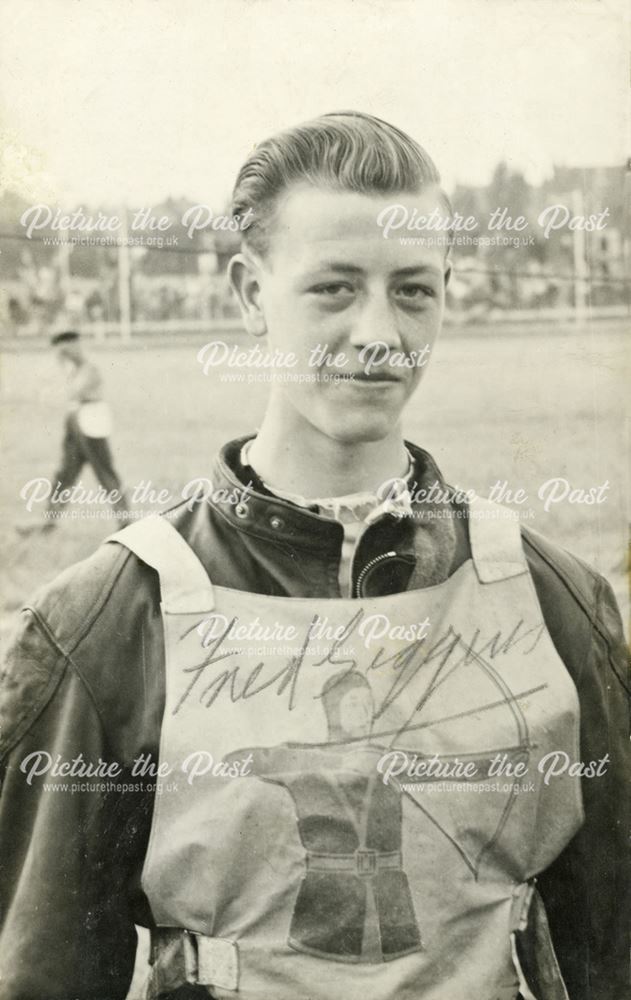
(372,377)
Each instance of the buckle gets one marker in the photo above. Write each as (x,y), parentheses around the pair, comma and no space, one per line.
(366,861)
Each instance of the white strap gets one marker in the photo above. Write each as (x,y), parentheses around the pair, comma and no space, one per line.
(217,963)
(495,538)
(184,584)
(520,907)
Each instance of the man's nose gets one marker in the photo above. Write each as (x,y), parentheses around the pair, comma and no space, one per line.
(376,320)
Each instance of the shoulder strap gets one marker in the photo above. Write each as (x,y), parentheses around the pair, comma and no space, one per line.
(184,583)
(495,537)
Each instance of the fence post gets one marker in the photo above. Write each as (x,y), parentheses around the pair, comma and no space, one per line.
(580,263)
(124,281)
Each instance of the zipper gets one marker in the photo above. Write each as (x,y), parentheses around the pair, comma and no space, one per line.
(370,565)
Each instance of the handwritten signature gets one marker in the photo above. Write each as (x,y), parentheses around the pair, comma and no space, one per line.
(442,656)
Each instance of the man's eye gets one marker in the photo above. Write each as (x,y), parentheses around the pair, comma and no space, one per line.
(415,292)
(334,289)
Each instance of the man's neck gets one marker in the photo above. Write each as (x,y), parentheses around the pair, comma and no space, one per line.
(311,464)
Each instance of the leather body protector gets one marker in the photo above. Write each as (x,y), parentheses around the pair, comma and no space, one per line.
(352,802)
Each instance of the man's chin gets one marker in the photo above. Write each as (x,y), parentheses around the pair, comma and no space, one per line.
(349,424)
(361,431)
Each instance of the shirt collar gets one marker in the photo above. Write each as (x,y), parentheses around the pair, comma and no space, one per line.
(366,506)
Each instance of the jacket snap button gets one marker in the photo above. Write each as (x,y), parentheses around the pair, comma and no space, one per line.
(241,510)
(277,523)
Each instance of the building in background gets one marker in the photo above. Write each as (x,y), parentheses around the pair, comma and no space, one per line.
(158,280)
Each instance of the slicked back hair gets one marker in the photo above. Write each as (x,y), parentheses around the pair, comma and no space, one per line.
(342,151)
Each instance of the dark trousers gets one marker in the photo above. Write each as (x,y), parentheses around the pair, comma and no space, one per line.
(78,449)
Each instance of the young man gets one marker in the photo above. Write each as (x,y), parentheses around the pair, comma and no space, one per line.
(413,837)
(87,429)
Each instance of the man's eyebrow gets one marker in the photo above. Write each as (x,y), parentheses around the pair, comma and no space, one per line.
(403,272)
(334,265)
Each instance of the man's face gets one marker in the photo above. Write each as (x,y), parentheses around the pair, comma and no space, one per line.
(68,351)
(331,284)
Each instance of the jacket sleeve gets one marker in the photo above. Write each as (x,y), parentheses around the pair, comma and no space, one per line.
(66,932)
(587,890)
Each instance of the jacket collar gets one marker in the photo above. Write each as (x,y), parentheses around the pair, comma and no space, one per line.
(262,514)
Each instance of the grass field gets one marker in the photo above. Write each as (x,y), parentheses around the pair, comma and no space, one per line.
(523,408)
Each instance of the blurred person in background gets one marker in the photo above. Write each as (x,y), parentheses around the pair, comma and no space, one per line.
(88,427)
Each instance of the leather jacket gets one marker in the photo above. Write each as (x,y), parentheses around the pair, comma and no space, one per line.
(85,676)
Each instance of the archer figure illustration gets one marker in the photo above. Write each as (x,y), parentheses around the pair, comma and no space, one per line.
(354,902)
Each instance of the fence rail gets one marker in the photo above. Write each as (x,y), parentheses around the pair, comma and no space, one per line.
(175,332)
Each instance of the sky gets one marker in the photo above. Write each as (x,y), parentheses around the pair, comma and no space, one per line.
(130,101)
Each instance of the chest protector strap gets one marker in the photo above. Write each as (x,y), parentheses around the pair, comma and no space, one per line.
(184,583)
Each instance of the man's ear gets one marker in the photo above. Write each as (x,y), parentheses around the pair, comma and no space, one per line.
(243,274)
